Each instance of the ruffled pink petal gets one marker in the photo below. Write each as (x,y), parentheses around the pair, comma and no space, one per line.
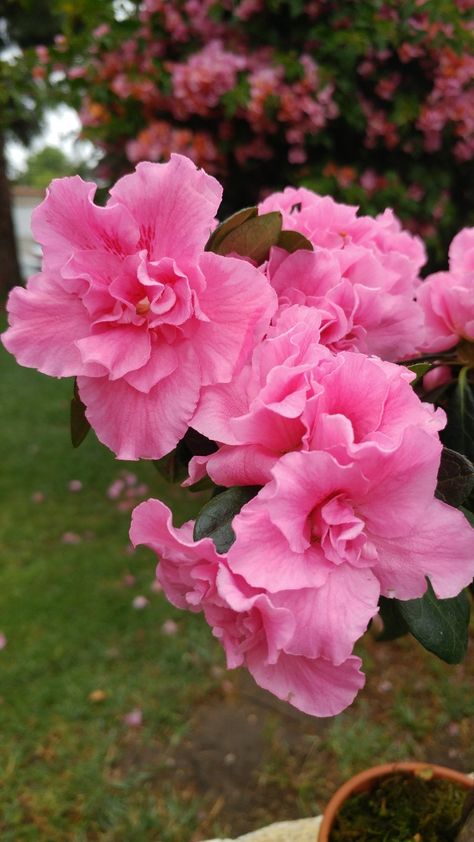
(135,425)
(219,404)
(441,546)
(313,685)
(174,205)
(238,302)
(461,252)
(302,482)
(240,465)
(163,361)
(285,569)
(402,483)
(45,324)
(187,568)
(330,619)
(119,348)
(68,221)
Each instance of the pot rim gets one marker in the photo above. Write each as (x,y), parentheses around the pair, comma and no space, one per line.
(362,781)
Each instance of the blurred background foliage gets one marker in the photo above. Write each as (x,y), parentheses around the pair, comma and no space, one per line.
(371,102)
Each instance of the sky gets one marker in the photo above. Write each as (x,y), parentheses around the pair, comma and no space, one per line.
(62,127)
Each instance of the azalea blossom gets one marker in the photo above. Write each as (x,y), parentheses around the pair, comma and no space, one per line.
(294,395)
(362,275)
(254,630)
(129,303)
(447,298)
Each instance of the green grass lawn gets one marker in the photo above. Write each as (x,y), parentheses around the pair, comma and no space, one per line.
(67,613)
(80,657)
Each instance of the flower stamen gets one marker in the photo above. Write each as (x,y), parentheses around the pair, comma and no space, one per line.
(143,306)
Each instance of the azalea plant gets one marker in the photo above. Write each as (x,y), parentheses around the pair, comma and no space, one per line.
(291,361)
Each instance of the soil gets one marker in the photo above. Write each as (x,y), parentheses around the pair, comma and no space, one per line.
(251,760)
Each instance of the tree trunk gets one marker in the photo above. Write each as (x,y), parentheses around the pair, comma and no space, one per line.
(10,274)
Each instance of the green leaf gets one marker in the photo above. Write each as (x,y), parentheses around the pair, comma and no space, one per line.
(440,625)
(469,515)
(459,431)
(171,467)
(79,424)
(420,370)
(229,225)
(253,238)
(455,477)
(293,241)
(215,518)
(393,623)
(174,466)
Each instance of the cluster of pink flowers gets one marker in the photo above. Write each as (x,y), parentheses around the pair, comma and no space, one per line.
(303,108)
(451,102)
(160,139)
(288,368)
(199,82)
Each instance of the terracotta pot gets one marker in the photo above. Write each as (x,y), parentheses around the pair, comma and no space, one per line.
(365,780)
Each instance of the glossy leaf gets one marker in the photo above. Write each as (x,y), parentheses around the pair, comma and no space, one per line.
(227,226)
(215,518)
(174,466)
(420,369)
(455,477)
(459,431)
(294,241)
(79,424)
(253,238)
(394,625)
(440,625)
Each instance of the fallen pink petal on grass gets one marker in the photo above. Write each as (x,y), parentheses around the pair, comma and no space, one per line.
(140,602)
(70,538)
(169,628)
(115,489)
(75,485)
(37,497)
(134,719)
(125,505)
(3,641)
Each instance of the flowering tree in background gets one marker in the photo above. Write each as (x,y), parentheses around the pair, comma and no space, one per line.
(24,26)
(370,102)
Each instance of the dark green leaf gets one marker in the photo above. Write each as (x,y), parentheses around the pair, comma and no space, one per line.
(455,477)
(459,431)
(468,515)
(174,466)
(79,424)
(215,518)
(420,370)
(171,467)
(229,225)
(440,625)
(393,623)
(294,241)
(253,238)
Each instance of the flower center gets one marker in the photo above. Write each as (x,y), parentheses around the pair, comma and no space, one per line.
(143,306)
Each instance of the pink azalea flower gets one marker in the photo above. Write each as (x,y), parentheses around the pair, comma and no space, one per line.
(447,298)
(296,395)
(362,275)
(188,569)
(128,301)
(254,630)
(337,536)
